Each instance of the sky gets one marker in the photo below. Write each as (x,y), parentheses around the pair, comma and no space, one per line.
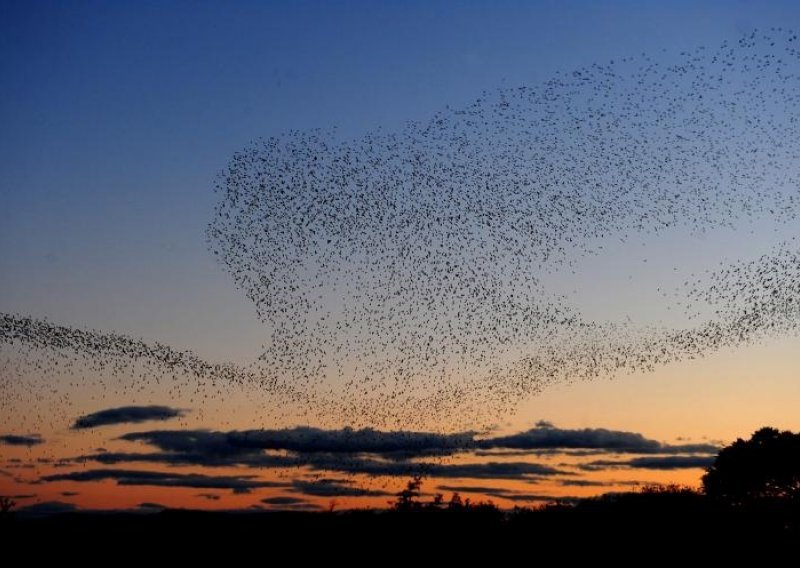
(118,118)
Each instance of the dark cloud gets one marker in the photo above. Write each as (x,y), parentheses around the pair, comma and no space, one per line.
(69,493)
(381,467)
(198,447)
(672,462)
(375,453)
(208,448)
(306,440)
(21,440)
(237,484)
(126,415)
(152,506)
(493,470)
(547,436)
(335,488)
(472,489)
(200,458)
(344,463)
(23,496)
(282,500)
(213,447)
(595,483)
(499,452)
(654,462)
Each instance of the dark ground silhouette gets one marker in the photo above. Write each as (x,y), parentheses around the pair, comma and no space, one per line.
(680,518)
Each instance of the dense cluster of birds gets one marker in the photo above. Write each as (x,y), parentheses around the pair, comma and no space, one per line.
(400,275)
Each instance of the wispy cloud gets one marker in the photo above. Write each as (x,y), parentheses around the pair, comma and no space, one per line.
(502,493)
(238,484)
(335,488)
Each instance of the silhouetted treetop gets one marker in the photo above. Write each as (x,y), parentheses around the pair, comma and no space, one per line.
(767,466)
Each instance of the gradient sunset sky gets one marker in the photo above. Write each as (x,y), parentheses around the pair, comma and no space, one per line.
(117,116)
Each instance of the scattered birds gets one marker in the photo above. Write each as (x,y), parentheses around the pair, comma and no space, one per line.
(400,275)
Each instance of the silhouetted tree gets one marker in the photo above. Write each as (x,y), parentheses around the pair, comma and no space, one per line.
(6,505)
(437,503)
(670,489)
(767,466)
(486,506)
(407,498)
(455,504)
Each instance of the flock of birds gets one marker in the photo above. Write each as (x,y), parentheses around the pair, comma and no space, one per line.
(400,276)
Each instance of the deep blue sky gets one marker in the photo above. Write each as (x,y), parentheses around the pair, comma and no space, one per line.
(117,115)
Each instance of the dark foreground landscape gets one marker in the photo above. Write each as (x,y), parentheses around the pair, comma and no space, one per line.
(677,519)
